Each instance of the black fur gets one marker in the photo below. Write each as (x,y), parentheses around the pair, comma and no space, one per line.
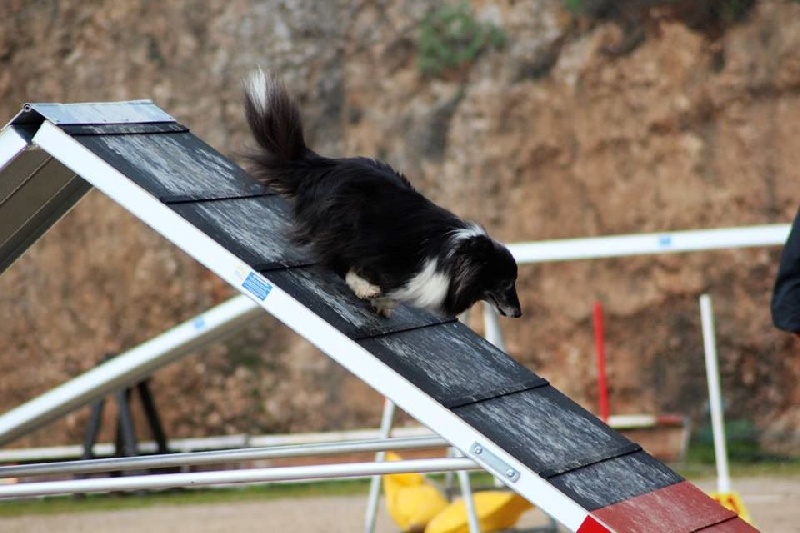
(360,215)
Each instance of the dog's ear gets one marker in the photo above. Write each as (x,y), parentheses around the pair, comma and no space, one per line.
(476,249)
(466,285)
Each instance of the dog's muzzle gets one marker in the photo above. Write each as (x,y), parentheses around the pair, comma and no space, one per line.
(506,303)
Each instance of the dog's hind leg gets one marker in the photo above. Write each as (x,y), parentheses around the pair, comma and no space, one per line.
(361,287)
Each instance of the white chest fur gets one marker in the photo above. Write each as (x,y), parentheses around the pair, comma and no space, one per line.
(427,289)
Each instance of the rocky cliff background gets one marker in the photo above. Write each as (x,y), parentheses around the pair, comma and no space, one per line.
(570,119)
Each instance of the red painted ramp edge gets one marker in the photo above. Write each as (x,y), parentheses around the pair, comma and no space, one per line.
(678,508)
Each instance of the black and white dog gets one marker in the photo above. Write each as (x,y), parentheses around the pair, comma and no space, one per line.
(366,222)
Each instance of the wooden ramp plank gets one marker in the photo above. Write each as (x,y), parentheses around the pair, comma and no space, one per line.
(734,525)
(608,482)
(677,507)
(124,129)
(546,430)
(452,364)
(133,111)
(327,295)
(255,229)
(177,166)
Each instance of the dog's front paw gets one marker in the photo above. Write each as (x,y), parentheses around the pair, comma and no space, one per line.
(361,287)
(383,306)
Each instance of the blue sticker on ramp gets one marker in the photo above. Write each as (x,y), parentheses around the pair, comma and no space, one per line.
(256,285)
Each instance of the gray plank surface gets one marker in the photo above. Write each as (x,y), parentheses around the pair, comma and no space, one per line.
(96,112)
(452,364)
(256,230)
(545,430)
(137,128)
(608,482)
(172,167)
(327,295)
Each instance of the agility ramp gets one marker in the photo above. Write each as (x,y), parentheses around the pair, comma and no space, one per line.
(507,419)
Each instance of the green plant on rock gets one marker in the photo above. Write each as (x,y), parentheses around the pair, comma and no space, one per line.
(574,6)
(451,37)
(734,10)
(592,8)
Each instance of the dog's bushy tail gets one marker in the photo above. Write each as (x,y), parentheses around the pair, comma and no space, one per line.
(275,122)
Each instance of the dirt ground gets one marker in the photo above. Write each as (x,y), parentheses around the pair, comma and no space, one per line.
(772,502)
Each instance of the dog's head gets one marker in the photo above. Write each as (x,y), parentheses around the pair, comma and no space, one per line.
(484,269)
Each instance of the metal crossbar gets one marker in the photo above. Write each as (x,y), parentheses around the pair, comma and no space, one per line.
(89,466)
(649,243)
(224,477)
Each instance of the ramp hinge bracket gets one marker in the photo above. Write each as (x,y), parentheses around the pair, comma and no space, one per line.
(494,462)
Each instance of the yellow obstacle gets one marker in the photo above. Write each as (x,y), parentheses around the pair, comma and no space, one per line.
(495,510)
(416,505)
(733,502)
(412,500)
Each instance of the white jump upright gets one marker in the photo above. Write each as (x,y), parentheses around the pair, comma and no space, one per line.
(715,395)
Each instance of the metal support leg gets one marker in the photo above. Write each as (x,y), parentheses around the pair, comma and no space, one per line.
(90,437)
(469,503)
(92,429)
(125,441)
(449,477)
(126,431)
(153,420)
(494,334)
(491,327)
(375,483)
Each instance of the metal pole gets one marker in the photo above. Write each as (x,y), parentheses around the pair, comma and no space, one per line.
(129,367)
(256,475)
(375,483)
(714,394)
(90,466)
(494,334)
(466,494)
(492,331)
(649,243)
(600,356)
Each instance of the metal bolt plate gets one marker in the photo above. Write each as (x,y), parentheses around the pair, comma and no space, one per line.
(494,463)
